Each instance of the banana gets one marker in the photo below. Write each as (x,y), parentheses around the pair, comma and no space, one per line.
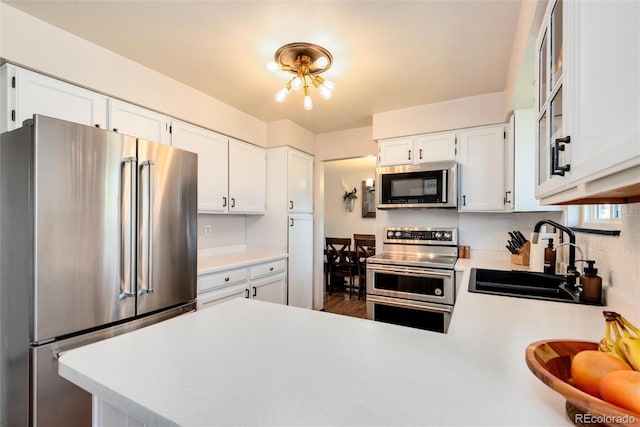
(607,343)
(628,345)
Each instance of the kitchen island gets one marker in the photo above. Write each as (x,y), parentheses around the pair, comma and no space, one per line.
(250,362)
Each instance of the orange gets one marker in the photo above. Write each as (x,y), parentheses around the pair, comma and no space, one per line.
(589,366)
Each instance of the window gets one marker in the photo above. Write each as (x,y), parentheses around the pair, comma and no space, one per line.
(598,215)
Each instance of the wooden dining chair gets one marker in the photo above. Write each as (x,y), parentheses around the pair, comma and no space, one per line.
(365,246)
(339,263)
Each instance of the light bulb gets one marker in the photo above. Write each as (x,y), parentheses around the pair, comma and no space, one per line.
(321,62)
(273,66)
(325,93)
(281,94)
(329,85)
(308,103)
(296,83)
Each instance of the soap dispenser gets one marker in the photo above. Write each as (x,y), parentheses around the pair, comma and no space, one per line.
(591,284)
(549,258)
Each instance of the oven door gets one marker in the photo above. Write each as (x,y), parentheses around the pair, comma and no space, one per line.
(414,314)
(413,283)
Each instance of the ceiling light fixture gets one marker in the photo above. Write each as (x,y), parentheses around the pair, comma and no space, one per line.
(306,61)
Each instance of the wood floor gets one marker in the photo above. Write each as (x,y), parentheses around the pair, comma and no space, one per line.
(338,302)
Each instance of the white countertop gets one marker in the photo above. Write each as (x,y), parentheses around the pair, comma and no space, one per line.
(250,362)
(212,260)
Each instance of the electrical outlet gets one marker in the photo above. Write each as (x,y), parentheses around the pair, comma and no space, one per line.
(207,230)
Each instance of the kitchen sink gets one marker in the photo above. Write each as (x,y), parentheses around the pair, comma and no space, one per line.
(523,284)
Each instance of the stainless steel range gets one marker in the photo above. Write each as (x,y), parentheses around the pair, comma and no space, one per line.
(412,282)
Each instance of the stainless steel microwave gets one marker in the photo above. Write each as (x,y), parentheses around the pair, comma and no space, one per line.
(427,185)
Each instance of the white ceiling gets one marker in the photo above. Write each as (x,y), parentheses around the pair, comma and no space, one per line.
(388,55)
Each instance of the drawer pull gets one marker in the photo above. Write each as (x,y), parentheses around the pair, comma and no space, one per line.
(270,268)
(226,279)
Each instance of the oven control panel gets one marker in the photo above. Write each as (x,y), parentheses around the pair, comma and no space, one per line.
(421,235)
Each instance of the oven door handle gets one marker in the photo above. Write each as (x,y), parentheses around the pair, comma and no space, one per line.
(410,271)
(410,304)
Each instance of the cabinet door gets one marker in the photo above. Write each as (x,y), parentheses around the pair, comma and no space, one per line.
(552,134)
(396,151)
(271,289)
(247,178)
(482,169)
(604,77)
(136,121)
(300,182)
(435,147)
(212,163)
(30,93)
(300,280)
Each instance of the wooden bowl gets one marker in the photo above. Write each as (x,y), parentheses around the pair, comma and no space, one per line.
(550,361)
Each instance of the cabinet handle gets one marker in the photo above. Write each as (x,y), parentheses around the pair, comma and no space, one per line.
(233,202)
(506,197)
(464,200)
(290,204)
(291,225)
(559,145)
(255,291)
(226,279)
(270,268)
(409,154)
(115,129)
(246,293)
(224,201)
(420,154)
(97,125)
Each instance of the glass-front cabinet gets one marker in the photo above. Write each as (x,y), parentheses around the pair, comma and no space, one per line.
(553,140)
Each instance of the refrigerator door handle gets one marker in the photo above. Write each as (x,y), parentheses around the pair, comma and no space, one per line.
(147,226)
(127,220)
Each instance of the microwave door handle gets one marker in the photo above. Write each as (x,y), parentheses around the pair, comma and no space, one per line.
(445,174)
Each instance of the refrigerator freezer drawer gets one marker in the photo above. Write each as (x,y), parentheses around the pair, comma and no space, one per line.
(58,402)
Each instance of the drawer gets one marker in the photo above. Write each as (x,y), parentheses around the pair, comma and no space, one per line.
(209,299)
(268,268)
(222,279)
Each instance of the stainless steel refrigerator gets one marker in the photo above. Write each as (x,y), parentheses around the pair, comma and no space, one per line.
(99,237)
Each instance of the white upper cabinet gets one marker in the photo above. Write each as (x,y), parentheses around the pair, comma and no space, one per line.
(231,174)
(211,149)
(26,93)
(395,151)
(407,150)
(434,147)
(482,163)
(136,121)
(247,183)
(300,182)
(588,72)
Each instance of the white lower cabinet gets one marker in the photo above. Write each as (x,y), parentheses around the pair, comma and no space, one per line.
(266,281)
(300,247)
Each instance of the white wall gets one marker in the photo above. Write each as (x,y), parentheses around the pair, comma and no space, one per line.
(456,114)
(346,144)
(226,230)
(338,222)
(286,132)
(30,42)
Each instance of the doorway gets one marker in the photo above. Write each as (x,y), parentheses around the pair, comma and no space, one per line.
(345,215)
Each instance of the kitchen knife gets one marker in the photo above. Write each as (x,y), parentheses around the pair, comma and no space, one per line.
(514,240)
(521,236)
(510,248)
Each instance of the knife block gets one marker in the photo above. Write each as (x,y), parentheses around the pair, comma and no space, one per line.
(523,255)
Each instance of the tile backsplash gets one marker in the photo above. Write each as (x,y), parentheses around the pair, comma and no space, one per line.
(617,257)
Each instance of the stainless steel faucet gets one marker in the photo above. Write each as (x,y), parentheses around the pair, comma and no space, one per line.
(572,271)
